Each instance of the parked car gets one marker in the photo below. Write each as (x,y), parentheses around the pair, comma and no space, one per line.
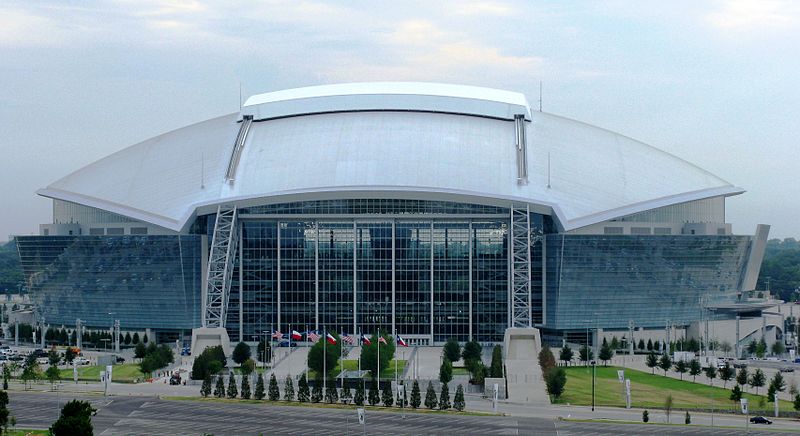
(175,379)
(119,359)
(81,361)
(185,351)
(787,369)
(285,343)
(760,420)
(740,365)
(39,353)
(42,360)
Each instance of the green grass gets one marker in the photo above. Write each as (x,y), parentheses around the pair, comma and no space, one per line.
(649,391)
(352,365)
(26,432)
(460,371)
(124,373)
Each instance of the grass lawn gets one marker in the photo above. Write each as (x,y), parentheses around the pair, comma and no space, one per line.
(352,365)
(649,391)
(460,371)
(238,371)
(25,432)
(124,373)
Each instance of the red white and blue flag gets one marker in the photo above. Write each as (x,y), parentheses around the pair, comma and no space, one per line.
(277,335)
(401,341)
(365,340)
(331,340)
(312,336)
(296,335)
(381,339)
(347,339)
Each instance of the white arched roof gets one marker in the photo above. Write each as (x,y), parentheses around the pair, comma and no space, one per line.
(389,139)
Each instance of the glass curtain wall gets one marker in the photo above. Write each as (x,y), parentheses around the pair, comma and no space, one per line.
(374,276)
(414,264)
(489,280)
(451,280)
(336,250)
(297,275)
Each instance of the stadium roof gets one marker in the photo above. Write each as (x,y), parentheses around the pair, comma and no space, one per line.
(398,140)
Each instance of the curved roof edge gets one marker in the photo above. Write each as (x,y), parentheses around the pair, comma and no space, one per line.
(400,96)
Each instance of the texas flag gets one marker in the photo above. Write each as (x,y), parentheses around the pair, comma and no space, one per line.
(381,339)
(401,341)
(365,340)
(331,340)
(296,335)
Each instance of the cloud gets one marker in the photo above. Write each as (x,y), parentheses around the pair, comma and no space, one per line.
(755,15)
(23,29)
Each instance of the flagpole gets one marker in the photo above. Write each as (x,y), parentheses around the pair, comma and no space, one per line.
(379,359)
(360,344)
(324,364)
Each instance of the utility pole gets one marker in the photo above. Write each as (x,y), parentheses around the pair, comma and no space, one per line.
(78,333)
(116,335)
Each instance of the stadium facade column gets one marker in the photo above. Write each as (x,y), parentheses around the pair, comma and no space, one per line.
(355,277)
(278,287)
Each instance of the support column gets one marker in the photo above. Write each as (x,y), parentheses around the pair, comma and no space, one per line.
(738,351)
(431,254)
(394,287)
(356,239)
(116,335)
(241,289)
(316,277)
(278,287)
(78,333)
(471,241)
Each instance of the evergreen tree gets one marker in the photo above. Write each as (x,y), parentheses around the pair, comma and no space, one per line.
(695,369)
(649,345)
(777,384)
(387,397)
(430,397)
(144,338)
(205,389)
(346,396)
(555,380)
(260,393)
(246,387)
(736,394)
(726,374)
(241,353)
(273,394)
(641,344)
(496,368)
(452,350)
(606,352)
(128,338)
(219,388)
(373,397)
(233,392)
(135,340)
(652,362)
(416,398)
(458,401)
(288,390)
(546,359)
(711,373)
(358,398)
(444,398)
(796,402)
(586,354)
(331,394)
(316,392)
(75,419)
(681,368)
(742,377)
(665,363)
(471,352)
(566,354)
(4,411)
(757,380)
(302,389)
(446,371)
(614,343)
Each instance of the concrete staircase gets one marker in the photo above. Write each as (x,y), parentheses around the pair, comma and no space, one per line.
(523,376)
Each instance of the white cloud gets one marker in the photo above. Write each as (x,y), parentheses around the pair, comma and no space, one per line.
(755,15)
(22,29)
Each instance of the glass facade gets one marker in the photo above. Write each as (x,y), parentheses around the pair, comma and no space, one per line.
(607,280)
(143,281)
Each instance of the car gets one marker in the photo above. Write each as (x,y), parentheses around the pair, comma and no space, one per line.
(286,343)
(175,379)
(119,359)
(786,369)
(39,353)
(81,361)
(42,360)
(797,360)
(185,351)
(15,357)
(740,365)
(760,420)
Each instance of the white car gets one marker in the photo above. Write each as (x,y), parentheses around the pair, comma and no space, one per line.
(81,361)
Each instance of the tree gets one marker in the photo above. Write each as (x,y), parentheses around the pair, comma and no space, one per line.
(452,350)
(796,402)
(247,367)
(75,419)
(332,354)
(688,419)
(53,357)
(496,368)
(232,392)
(645,417)
(652,362)
(288,390)
(444,398)
(736,394)
(316,392)
(331,394)
(757,380)
(4,413)
(416,398)
(387,397)
(681,368)
(260,392)
(649,345)
(139,350)
(614,343)
(458,400)
(6,376)
(742,377)
(373,397)
(205,389)
(69,355)
(761,348)
(358,398)
(777,384)
(695,369)
(555,379)
(566,354)
(347,395)
(302,389)
(430,397)
(274,393)
(135,339)
(606,352)
(471,352)
(246,387)
(219,388)
(752,347)
(209,362)
(53,374)
(726,373)
(586,354)
(546,359)
(144,338)
(711,373)
(665,363)
(446,371)
(128,338)
(369,353)
(641,344)
(30,371)
(241,353)
(778,348)
(668,406)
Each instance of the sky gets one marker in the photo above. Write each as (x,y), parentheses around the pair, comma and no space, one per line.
(714,82)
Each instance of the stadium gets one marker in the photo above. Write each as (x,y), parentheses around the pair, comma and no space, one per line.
(429,210)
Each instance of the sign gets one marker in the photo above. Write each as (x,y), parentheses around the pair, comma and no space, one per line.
(108,372)
(743,401)
(621,375)
(102,376)
(627,393)
(362,419)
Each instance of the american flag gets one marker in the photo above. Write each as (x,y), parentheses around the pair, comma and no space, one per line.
(382,339)
(277,335)
(312,336)
(347,339)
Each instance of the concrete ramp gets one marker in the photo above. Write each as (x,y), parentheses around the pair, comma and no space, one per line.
(523,375)
(203,337)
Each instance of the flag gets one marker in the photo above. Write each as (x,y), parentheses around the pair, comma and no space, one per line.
(401,342)
(296,335)
(277,335)
(382,339)
(312,336)
(347,339)
(365,340)
(331,340)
